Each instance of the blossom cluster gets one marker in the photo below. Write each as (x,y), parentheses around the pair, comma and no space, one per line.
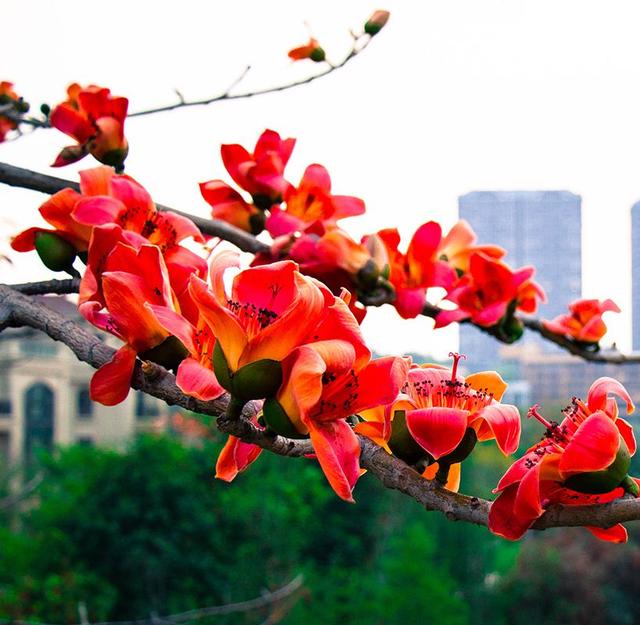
(285,332)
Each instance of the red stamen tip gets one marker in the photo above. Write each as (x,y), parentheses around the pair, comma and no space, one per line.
(456,358)
(533,412)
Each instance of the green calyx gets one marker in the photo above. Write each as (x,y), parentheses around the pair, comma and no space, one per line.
(367,276)
(276,419)
(257,223)
(317,55)
(170,353)
(55,252)
(256,380)
(462,451)
(598,482)
(114,158)
(402,444)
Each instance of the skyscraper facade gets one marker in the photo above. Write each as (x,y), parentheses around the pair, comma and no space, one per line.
(539,228)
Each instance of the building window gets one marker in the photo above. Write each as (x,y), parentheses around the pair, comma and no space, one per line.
(85,441)
(84,405)
(5,395)
(38,421)
(146,406)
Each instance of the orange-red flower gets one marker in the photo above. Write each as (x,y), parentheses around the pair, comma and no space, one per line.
(445,414)
(584,321)
(459,244)
(312,203)
(228,205)
(485,293)
(311,50)
(413,272)
(95,119)
(134,280)
(268,313)
(260,173)
(14,104)
(324,382)
(583,460)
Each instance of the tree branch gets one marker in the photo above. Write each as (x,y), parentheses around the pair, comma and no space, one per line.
(27,179)
(46,287)
(391,471)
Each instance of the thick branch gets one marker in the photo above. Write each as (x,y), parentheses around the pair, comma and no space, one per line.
(47,287)
(391,471)
(27,179)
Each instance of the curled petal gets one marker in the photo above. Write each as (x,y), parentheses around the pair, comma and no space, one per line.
(626,431)
(602,388)
(194,379)
(615,534)
(437,430)
(338,452)
(504,423)
(110,384)
(593,447)
(503,520)
(235,457)
(490,382)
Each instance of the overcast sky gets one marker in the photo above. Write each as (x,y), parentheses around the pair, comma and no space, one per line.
(453,96)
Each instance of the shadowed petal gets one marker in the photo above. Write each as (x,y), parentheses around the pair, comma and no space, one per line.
(110,384)
(438,430)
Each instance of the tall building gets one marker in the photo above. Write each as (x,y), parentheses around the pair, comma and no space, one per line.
(635,274)
(539,228)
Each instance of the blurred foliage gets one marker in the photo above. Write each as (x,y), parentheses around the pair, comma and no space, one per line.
(148,530)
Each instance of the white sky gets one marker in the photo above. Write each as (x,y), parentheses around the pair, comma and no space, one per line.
(452,96)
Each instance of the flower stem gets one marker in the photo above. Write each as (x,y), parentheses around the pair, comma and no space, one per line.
(234,408)
(442,474)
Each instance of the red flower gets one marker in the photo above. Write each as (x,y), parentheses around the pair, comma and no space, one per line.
(268,313)
(584,321)
(583,460)
(95,119)
(445,414)
(13,103)
(260,173)
(312,203)
(133,280)
(411,274)
(311,50)
(485,293)
(228,205)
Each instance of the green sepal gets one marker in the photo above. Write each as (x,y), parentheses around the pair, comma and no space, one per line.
(257,223)
(367,276)
(402,444)
(462,451)
(598,482)
(278,420)
(221,368)
(170,353)
(55,252)
(317,55)
(257,380)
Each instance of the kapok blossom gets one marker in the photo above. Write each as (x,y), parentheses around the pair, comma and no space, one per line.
(311,50)
(133,280)
(326,379)
(376,22)
(487,290)
(445,414)
(311,203)
(584,322)
(95,119)
(268,313)
(228,205)
(582,461)
(413,272)
(260,173)
(14,104)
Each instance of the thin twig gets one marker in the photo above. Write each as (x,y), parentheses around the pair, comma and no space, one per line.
(226,95)
(391,471)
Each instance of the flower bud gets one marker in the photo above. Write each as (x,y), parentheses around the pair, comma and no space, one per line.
(376,22)
(276,419)
(255,380)
(55,252)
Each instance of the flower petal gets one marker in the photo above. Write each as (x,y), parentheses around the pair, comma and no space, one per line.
(438,430)
(504,422)
(593,447)
(615,534)
(235,457)
(111,383)
(194,379)
(602,388)
(338,451)
(490,382)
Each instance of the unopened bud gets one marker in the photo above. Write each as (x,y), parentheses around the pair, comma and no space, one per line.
(55,252)
(317,55)
(376,22)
